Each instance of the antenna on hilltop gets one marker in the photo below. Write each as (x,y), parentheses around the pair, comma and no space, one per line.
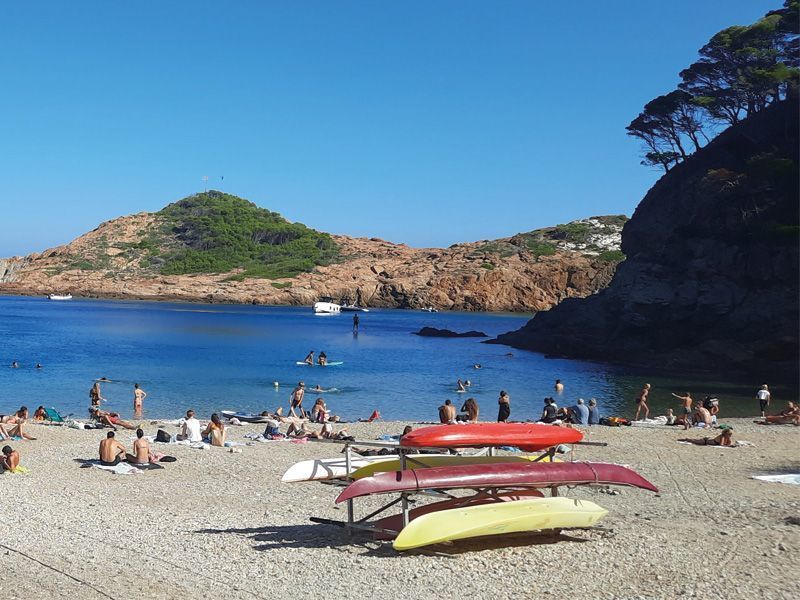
(205,183)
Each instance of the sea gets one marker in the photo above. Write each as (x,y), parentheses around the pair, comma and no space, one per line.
(243,357)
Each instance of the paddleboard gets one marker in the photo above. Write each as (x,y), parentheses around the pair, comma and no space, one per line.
(395,522)
(335,363)
(529,437)
(497,475)
(435,460)
(497,519)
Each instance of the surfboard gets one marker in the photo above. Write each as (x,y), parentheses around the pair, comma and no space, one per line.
(423,461)
(498,475)
(395,522)
(526,436)
(497,519)
(320,469)
(335,363)
(246,417)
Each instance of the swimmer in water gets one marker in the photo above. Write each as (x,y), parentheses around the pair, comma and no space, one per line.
(476,366)
(276,384)
(323,359)
(309,359)
(460,386)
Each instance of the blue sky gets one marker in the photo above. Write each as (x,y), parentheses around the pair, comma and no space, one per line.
(420,122)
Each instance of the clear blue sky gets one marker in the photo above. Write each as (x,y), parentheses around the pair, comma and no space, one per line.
(419,122)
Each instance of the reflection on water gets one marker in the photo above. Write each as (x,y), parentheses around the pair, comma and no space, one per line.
(227,357)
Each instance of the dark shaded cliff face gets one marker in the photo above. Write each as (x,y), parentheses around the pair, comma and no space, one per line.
(711,277)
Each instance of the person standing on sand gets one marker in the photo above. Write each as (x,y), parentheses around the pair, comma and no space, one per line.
(687,409)
(504,407)
(355,323)
(763,397)
(296,399)
(138,398)
(641,402)
(558,387)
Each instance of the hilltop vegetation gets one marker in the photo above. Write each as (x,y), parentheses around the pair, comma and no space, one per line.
(215,232)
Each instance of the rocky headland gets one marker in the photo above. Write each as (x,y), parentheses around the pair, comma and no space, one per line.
(711,276)
(175,255)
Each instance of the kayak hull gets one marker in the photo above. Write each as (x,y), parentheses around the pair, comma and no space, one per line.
(500,475)
(497,519)
(530,437)
(423,461)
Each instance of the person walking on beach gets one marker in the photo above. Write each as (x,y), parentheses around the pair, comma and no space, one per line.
(687,409)
(504,407)
(138,398)
(296,399)
(763,397)
(558,387)
(641,402)
(355,323)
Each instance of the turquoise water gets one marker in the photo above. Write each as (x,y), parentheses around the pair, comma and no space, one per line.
(215,357)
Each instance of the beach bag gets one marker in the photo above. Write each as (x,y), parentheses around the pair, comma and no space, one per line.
(163,436)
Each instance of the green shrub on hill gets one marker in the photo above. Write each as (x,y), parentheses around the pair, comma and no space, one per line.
(219,232)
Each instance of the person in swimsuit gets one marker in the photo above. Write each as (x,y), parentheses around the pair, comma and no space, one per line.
(471,410)
(641,402)
(138,398)
(40,415)
(323,359)
(14,365)
(111,451)
(504,407)
(686,413)
(215,431)
(460,387)
(723,439)
(702,414)
(447,412)
(296,400)
(319,412)
(355,323)
(141,450)
(309,359)
(788,416)
(558,387)
(112,419)
(9,461)
(95,397)
(19,420)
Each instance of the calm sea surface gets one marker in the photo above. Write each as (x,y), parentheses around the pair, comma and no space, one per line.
(215,357)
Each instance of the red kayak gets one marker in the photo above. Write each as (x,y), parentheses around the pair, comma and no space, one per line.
(529,437)
(395,522)
(496,475)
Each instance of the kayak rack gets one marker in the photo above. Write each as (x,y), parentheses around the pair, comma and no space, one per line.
(352,523)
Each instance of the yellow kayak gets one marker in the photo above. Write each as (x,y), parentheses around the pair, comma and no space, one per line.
(421,461)
(497,519)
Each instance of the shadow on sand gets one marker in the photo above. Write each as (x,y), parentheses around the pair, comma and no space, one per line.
(270,537)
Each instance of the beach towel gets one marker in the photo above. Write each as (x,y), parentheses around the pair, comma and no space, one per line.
(18,470)
(657,422)
(790,478)
(120,469)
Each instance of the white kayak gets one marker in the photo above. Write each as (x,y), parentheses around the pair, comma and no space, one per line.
(320,469)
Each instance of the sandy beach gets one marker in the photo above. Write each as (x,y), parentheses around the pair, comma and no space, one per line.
(220,524)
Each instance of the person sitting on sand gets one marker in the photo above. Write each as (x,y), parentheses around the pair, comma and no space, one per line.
(111,419)
(215,431)
(190,428)
(686,409)
(141,450)
(111,451)
(323,359)
(641,402)
(702,415)
(447,413)
(580,413)
(670,417)
(549,411)
(319,412)
(9,461)
(470,410)
(296,400)
(788,416)
(723,439)
(40,414)
(309,359)
(594,413)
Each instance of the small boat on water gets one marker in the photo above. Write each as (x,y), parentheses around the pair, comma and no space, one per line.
(353,308)
(429,309)
(59,296)
(326,306)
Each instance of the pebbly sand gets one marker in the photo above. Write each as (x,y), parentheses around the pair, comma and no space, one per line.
(217,524)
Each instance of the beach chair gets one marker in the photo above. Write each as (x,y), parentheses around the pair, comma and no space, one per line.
(53,415)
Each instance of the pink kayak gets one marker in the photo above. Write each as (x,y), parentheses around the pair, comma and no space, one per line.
(496,475)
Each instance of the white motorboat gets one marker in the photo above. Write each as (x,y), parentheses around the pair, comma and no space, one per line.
(353,308)
(429,309)
(59,296)
(326,306)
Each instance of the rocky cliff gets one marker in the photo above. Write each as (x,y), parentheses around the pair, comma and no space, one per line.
(124,258)
(711,276)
